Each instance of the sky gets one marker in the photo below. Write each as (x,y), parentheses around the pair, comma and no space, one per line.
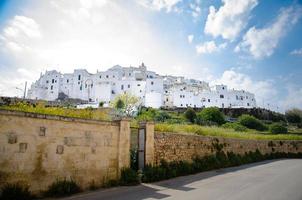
(255,45)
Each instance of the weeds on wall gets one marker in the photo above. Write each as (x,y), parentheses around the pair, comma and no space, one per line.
(62,188)
(15,191)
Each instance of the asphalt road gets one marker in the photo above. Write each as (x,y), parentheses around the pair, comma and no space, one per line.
(270,180)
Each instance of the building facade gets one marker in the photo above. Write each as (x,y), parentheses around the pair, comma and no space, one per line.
(152,89)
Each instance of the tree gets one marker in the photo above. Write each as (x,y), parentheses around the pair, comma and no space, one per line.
(251,122)
(294,116)
(101,104)
(190,115)
(126,104)
(211,114)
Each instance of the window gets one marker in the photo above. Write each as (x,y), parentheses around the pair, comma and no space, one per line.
(81,87)
(180,104)
(180,96)
(140,91)
(248,104)
(237,97)
(152,83)
(51,87)
(128,85)
(209,100)
(221,96)
(79,77)
(222,105)
(67,80)
(78,83)
(223,88)
(107,76)
(122,87)
(129,74)
(247,97)
(167,99)
(47,81)
(138,85)
(53,81)
(100,77)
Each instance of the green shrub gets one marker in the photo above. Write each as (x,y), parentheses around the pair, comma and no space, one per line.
(277,128)
(62,188)
(101,104)
(129,177)
(294,116)
(15,191)
(251,122)
(162,116)
(236,126)
(190,115)
(211,114)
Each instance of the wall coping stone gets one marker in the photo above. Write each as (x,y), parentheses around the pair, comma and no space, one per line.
(219,137)
(57,117)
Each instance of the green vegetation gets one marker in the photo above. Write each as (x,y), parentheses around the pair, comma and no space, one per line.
(40,108)
(15,191)
(211,114)
(235,126)
(190,115)
(199,164)
(251,122)
(62,188)
(223,132)
(294,116)
(129,177)
(277,128)
(126,104)
(101,104)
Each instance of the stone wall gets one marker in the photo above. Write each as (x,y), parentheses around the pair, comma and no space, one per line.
(177,147)
(38,149)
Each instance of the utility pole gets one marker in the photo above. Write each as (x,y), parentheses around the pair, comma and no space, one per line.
(25,90)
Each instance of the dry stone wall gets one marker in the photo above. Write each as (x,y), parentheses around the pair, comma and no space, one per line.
(183,147)
(38,149)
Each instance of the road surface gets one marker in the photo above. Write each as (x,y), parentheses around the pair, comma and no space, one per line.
(269,180)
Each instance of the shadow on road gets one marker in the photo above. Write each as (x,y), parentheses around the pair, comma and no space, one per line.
(151,190)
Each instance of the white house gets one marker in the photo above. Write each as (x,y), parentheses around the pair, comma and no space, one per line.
(152,89)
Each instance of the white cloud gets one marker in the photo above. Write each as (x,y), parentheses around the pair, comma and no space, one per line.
(261,43)
(297,52)
(195,9)
(190,38)
(209,47)
(264,90)
(293,98)
(19,31)
(230,19)
(168,5)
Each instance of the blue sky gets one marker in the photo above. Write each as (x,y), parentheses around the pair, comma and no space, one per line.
(254,45)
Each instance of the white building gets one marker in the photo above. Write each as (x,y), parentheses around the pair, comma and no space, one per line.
(152,89)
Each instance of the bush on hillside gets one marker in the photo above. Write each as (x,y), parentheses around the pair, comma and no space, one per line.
(252,122)
(236,126)
(190,115)
(294,116)
(211,114)
(277,128)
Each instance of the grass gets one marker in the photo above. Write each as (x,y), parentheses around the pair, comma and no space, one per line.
(88,113)
(223,132)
